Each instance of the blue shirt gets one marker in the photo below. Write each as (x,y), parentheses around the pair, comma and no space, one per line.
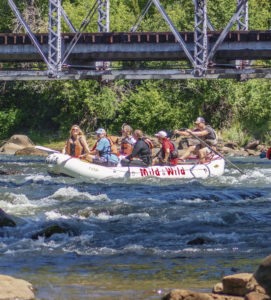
(104,148)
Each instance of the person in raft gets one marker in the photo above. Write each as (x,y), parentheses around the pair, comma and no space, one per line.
(104,152)
(141,154)
(128,141)
(204,132)
(168,154)
(76,145)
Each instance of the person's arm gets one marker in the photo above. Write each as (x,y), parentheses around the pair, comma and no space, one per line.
(85,145)
(136,150)
(167,152)
(180,132)
(199,133)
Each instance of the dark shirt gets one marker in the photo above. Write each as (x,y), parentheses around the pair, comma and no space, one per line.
(142,151)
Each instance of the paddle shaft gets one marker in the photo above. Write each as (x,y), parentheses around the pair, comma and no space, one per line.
(216,152)
(46,149)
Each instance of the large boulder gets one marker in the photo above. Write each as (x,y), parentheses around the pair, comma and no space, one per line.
(260,282)
(15,143)
(236,284)
(13,288)
(31,151)
(252,145)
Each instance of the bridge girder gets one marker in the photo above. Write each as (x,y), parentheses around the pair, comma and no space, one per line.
(200,58)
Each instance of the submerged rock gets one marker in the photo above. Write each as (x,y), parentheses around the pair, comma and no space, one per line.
(6,220)
(13,288)
(54,229)
(200,241)
(4,172)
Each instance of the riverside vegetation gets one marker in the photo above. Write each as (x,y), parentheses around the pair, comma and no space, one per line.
(240,111)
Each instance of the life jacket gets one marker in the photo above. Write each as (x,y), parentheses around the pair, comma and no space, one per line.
(75,148)
(113,144)
(126,148)
(173,154)
(149,143)
(146,156)
(211,133)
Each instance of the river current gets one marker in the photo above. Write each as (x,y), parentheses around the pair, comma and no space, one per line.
(132,240)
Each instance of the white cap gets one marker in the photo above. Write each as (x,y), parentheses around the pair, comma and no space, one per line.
(161,134)
(101,131)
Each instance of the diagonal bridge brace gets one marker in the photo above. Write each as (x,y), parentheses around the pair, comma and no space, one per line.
(51,66)
(239,10)
(175,32)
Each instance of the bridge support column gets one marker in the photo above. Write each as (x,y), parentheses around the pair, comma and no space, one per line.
(242,24)
(54,42)
(103,26)
(200,37)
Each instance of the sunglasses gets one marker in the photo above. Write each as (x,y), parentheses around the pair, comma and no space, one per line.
(75,129)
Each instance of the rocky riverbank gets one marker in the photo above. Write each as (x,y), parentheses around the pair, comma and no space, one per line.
(22,145)
(243,286)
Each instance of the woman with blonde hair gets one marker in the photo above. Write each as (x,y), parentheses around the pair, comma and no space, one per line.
(76,145)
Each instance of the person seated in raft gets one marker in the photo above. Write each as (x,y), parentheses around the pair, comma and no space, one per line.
(141,154)
(204,132)
(76,145)
(102,152)
(128,141)
(168,153)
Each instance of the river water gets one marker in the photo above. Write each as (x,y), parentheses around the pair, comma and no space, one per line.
(132,240)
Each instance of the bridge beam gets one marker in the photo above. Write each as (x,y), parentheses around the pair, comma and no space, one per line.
(241,74)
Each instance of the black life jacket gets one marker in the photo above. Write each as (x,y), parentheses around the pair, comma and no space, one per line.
(146,154)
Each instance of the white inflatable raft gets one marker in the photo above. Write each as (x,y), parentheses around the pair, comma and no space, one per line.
(74,167)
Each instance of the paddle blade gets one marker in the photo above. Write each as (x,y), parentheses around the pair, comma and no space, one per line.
(268,154)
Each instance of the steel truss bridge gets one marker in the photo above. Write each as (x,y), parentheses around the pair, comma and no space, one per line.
(79,55)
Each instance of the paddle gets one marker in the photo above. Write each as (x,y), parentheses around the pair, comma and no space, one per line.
(46,149)
(216,152)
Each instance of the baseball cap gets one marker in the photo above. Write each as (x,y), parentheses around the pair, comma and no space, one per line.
(161,134)
(100,131)
(200,120)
